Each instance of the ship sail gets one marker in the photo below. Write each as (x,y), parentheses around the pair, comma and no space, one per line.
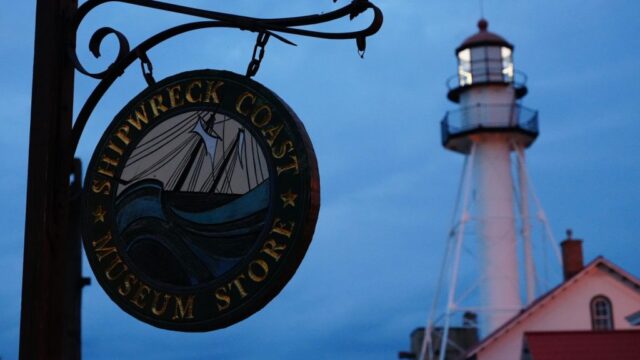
(198,152)
(210,140)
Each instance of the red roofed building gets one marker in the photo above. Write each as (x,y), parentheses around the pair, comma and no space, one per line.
(595,299)
(593,314)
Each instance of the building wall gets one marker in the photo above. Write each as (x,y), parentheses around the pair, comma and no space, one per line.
(569,309)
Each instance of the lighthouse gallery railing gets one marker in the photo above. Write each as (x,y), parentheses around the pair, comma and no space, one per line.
(488,117)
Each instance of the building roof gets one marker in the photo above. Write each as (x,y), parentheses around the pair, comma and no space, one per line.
(483,37)
(599,262)
(583,345)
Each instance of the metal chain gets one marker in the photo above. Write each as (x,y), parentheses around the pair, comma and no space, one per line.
(147,68)
(258,53)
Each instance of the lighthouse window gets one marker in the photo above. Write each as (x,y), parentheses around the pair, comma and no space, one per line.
(507,64)
(464,55)
(601,313)
(464,67)
(494,63)
(479,69)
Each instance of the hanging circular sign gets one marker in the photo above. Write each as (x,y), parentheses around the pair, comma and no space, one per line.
(200,201)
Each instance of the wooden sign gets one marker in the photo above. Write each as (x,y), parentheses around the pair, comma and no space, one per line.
(200,201)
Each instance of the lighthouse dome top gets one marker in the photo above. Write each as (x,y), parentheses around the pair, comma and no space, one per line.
(483,38)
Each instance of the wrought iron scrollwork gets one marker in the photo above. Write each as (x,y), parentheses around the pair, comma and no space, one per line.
(267,26)
(264,27)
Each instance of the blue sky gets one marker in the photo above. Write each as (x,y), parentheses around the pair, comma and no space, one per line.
(388,187)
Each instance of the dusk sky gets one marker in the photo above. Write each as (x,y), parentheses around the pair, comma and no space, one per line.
(387,186)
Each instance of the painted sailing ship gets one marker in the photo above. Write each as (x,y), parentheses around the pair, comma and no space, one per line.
(193,199)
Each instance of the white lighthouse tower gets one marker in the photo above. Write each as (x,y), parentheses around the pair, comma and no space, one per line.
(491,129)
(488,127)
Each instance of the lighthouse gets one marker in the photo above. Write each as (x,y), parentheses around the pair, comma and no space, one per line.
(488,273)
(491,128)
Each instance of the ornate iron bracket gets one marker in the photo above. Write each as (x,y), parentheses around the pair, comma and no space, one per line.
(264,27)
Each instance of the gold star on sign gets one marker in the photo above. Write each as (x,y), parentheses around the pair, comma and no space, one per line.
(289,198)
(98,214)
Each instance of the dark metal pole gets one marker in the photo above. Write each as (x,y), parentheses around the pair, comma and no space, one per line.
(45,324)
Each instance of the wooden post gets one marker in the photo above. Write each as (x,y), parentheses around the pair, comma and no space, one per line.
(45,325)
